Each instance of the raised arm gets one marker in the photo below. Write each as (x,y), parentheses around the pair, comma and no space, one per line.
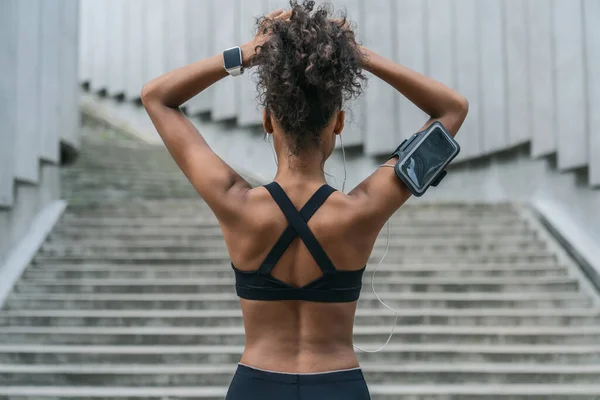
(382,193)
(220,186)
(436,99)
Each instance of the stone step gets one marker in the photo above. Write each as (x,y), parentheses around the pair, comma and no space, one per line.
(220,252)
(111,167)
(105,245)
(202,211)
(198,258)
(221,285)
(226,266)
(520,241)
(207,219)
(378,392)
(436,231)
(215,354)
(365,336)
(150,174)
(364,316)
(230,300)
(62,232)
(125,192)
(125,374)
(73,196)
(136,180)
(222,271)
(197,207)
(176,208)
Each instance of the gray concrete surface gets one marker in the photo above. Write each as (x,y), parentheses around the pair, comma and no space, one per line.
(486,302)
(39,94)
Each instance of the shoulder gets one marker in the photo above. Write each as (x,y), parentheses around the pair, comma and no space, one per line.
(350,214)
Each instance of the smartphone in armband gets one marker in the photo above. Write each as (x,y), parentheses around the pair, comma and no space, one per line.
(423,158)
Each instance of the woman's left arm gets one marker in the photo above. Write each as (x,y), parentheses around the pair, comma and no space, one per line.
(220,186)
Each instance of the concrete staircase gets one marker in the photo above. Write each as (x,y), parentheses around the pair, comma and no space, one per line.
(132,297)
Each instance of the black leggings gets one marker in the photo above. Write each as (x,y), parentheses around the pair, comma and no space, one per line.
(254,384)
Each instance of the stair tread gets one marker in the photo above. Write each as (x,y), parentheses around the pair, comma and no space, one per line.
(540,323)
(209,281)
(511,296)
(219,349)
(133,369)
(478,312)
(359,330)
(377,389)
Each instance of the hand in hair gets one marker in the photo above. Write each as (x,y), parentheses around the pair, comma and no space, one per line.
(263,34)
(307,69)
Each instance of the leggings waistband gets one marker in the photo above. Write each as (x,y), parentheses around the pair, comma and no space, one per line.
(285,377)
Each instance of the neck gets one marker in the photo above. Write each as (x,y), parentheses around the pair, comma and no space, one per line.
(304,169)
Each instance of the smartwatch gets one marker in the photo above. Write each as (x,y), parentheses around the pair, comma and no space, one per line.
(232,61)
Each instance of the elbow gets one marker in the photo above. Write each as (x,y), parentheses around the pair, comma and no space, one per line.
(148,94)
(462,106)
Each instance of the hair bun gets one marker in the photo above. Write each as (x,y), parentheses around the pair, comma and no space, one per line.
(306,70)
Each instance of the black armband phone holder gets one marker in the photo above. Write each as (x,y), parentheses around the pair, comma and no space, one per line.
(423,157)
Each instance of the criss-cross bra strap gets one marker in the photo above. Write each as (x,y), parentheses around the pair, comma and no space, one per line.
(298,227)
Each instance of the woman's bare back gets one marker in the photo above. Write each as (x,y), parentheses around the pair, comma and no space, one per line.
(296,335)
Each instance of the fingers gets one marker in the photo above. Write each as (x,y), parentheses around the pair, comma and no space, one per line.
(274,14)
(284,15)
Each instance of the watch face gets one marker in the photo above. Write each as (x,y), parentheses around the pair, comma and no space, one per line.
(232,58)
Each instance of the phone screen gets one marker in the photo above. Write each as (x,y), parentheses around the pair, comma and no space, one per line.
(428,158)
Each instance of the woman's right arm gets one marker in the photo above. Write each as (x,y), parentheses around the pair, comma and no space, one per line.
(382,193)
(436,99)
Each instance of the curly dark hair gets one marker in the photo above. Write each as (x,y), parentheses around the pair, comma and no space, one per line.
(308,68)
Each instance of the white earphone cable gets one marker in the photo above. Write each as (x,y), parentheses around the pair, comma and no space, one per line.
(387,246)
(344,157)
(272,148)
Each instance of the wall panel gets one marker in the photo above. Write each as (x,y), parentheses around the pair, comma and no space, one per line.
(517,72)
(467,78)
(354,128)
(225,93)
(411,33)
(135,70)
(592,41)
(248,109)
(493,80)
(86,23)
(28,139)
(176,32)
(541,62)
(118,40)
(69,117)
(99,45)
(439,41)
(154,42)
(50,90)
(199,38)
(9,31)
(570,84)
(381,98)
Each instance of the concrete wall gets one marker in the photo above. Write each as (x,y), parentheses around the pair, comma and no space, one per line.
(39,107)
(530,69)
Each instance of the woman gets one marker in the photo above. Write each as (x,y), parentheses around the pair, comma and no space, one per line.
(298,247)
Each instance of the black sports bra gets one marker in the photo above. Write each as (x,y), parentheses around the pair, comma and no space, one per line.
(333,286)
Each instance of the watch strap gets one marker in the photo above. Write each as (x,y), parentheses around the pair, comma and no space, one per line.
(237,71)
